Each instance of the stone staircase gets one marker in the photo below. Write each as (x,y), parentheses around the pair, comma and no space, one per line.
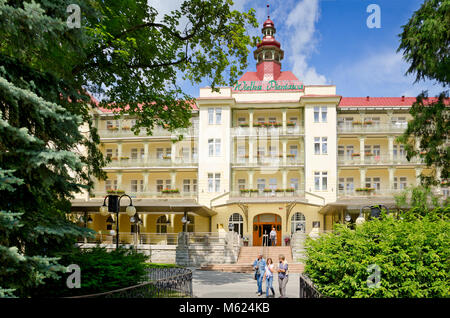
(247,256)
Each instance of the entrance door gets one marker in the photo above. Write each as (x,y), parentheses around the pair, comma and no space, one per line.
(263,224)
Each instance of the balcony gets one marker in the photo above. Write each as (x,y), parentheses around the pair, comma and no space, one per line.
(267,193)
(153,162)
(366,192)
(267,131)
(148,194)
(260,161)
(158,132)
(371,159)
(362,128)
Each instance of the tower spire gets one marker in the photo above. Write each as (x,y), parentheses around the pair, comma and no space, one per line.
(268,54)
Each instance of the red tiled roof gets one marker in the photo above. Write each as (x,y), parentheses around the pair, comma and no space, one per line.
(379,101)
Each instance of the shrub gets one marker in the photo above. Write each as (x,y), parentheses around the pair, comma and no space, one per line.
(412,253)
(101,271)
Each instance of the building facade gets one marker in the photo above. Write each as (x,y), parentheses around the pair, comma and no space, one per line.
(267,152)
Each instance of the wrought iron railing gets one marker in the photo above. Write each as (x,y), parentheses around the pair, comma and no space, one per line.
(307,288)
(161,283)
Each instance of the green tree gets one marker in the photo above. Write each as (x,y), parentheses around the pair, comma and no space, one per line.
(425,43)
(48,143)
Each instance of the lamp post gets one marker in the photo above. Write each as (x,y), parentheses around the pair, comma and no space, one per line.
(114,207)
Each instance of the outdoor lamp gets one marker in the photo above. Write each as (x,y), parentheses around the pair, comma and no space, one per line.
(131,210)
(360,219)
(230,227)
(348,218)
(112,232)
(104,210)
(89,219)
(135,219)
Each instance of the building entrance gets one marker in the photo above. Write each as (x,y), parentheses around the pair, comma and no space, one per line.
(262,226)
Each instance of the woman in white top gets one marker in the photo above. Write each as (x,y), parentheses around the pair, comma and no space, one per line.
(268,274)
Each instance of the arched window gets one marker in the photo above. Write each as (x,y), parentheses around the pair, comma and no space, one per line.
(298,223)
(236,222)
(161,224)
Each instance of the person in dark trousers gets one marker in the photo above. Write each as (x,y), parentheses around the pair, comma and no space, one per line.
(259,265)
(283,275)
(273,237)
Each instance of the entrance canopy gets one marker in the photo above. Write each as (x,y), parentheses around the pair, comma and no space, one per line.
(147,206)
(356,204)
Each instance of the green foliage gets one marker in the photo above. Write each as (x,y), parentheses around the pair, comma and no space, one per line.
(161,265)
(431,126)
(425,41)
(420,199)
(101,271)
(413,255)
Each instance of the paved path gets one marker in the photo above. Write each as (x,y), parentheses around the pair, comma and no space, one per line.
(212,284)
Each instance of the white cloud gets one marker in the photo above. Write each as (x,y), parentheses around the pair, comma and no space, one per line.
(301,24)
(380,73)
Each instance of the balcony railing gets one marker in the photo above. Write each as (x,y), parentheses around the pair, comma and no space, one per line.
(153,162)
(375,128)
(267,131)
(364,192)
(278,193)
(149,194)
(157,132)
(132,238)
(244,161)
(376,160)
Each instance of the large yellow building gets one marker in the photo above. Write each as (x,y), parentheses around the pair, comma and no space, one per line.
(267,152)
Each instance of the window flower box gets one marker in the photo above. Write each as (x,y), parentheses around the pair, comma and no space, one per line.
(267,190)
(113,158)
(166,157)
(364,189)
(368,154)
(124,158)
(290,190)
(290,124)
(279,190)
(253,190)
(126,128)
(170,191)
(290,155)
(112,128)
(244,190)
(357,123)
(369,122)
(116,192)
(243,125)
(355,154)
(257,125)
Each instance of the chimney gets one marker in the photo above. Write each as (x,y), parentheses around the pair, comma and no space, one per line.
(367,98)
(403,98)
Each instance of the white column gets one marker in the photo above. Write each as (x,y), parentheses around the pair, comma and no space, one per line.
(418,173)
(173,179)
(284,179)
(119,180)
(250,119)
(250,178)
(146,154)
(173,151)
(284,152)
(284,112)
(361,148)
(119,150)
(250,149)
(233,181)
(145,178)
(391,178)
(362,177)
(391,149)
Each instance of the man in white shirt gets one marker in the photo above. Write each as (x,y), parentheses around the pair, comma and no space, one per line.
(273,237)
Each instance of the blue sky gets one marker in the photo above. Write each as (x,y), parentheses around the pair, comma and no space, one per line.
(328,42)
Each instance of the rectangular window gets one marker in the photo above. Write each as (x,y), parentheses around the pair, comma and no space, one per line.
(261,184)
(137,185)
(159,185)
(294,183)
(349,151)
(217,182)
(213,147)
(376,150)
(159,153)
(293,150)
(241,184)
(320,180)
(317,145)
(194,185)
(316,114)
(273,184)
(341,184)
(217,147)
(324,145)
(218,116)
(134,153)
(210,116)
(210,147)
(210,182)
(109,153)
(110,185)
(324,114)
(272,120)
(186,185)
(341,151)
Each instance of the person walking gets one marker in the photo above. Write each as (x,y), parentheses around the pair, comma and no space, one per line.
(268,276)
(283,275)
(273,237)
(259,265)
